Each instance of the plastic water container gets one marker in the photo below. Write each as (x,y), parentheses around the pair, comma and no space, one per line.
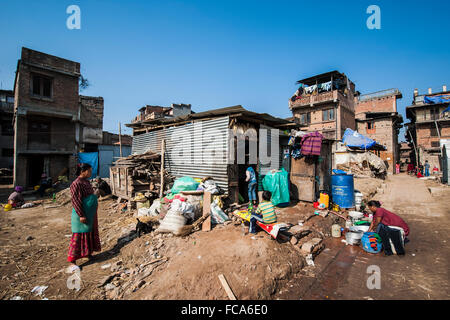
(342,190)
(325,199)
(336,231)
(358,200)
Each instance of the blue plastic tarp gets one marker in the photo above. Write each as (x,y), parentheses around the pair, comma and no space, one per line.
(442,98)
(446,110)
(92,159)
(356,140)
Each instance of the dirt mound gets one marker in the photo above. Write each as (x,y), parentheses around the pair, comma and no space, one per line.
(63,197)
(254,266)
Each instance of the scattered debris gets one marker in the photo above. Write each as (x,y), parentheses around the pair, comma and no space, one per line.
(39,290)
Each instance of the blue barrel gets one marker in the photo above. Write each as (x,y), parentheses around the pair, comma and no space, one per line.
(343,190)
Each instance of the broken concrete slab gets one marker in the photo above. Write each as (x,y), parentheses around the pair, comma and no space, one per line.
(309,246)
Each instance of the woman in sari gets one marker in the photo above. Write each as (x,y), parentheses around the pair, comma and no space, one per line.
(85,237)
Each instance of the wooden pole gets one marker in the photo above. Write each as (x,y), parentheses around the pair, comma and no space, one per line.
(163,146)
(206,226)
(414,145)
(120,140)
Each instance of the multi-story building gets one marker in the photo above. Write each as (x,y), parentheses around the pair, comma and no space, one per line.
(154,112)
(428,124)
(406,152)
(52,123)
(376,117)
(325,103)
(6,129)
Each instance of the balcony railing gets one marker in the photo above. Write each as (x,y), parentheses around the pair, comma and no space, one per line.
(314,99)
(379,94)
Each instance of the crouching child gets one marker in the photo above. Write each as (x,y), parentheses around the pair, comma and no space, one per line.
(265,212)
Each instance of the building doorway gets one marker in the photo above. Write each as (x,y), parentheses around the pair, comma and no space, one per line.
(35,170)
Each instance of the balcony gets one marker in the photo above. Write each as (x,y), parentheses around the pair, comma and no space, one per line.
(422,118)
(314,99)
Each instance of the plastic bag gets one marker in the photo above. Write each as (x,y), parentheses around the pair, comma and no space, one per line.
(174,220)
(209,186)
(184,184)
(278,184)
(217,215)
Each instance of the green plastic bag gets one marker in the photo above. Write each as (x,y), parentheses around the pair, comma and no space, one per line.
(184,184)
(278,184)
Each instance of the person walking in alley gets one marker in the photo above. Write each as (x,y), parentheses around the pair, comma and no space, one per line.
(251,179)
(410,168)
(85,236)
(265,212)
(427,168)
(392,229)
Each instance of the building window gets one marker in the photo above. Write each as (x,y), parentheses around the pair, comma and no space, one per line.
(41,86)
(328,115)
(7,128)
(435,144)
(370,125)
(9,99)
(7,152)
(434,113)
(304,118)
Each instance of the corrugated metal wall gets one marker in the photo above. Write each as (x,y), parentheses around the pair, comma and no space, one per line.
(264,168)
(197,149)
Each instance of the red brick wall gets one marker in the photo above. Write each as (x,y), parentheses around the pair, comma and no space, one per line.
(92,111)
(385,104)
(424,138)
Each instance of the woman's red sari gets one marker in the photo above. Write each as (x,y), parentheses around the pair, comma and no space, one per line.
(82,244)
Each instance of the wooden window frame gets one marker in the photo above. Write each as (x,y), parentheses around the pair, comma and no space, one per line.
(41,86)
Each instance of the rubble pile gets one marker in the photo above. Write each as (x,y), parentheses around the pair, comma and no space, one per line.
(364,164)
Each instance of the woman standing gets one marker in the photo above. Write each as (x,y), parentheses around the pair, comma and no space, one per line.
(85,237)
(251,179)
(397,168)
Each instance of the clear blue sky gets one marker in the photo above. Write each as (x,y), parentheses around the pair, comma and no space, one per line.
(215,54)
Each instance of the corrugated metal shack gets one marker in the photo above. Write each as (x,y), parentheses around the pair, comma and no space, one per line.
(212,138)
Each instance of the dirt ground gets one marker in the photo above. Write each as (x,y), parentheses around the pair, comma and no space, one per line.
(256,267)
(341,271)
(150,267)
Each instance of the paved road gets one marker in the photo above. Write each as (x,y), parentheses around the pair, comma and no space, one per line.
(423,273)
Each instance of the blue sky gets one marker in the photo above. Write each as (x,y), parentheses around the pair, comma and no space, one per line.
(215,54)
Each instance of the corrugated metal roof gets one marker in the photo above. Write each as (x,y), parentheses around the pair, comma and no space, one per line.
(211,113)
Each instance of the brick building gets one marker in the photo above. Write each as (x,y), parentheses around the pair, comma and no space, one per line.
(428,124)
(6,129)
(154,112)
(406,155)
(376,117)
(51,121)
(325,103)
(90,123)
